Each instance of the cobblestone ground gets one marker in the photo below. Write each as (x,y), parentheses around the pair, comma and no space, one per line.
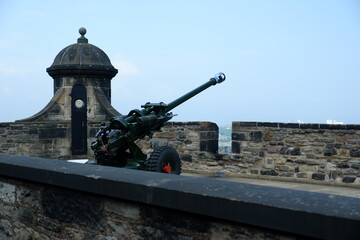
(337,190)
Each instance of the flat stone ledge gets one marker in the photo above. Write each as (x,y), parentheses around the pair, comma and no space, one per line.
(293,211)
(299,125)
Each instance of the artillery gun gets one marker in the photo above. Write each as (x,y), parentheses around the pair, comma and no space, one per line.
(115,143)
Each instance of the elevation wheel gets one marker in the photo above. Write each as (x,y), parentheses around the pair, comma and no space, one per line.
(164,159)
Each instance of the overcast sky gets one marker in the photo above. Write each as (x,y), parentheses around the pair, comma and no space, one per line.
(284,60)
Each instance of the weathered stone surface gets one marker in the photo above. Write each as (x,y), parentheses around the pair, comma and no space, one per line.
(7,192)
(330,151)
(72,207)
(29,197)
(302,175)
(307,168)
(235,146)
(49,224)
(273,149)
(256,136)
(348,179)
(333,175)
(295,151)
(355,153)
(158,213)
(318,176)
(25,215)
(355,166)
(21,231)
(269,172)
(6,230)
(238,136)
(52,133)
(343,165)
(186,157)
(123,209)
(120,229)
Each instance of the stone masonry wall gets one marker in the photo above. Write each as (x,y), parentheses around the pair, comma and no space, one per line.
(315,152)
(41,139)
(303,151)
(35,211)
(194,141)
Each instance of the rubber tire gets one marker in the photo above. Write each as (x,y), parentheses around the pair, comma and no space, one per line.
(161,157)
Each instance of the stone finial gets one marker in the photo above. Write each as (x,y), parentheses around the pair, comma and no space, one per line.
(82,39)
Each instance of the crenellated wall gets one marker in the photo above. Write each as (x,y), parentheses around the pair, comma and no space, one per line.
(193,140)
(304,151)
(294,152)
(301,152)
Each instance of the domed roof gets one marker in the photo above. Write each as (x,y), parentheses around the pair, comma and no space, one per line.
(82,58)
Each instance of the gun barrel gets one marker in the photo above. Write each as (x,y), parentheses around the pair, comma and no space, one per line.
(218,78)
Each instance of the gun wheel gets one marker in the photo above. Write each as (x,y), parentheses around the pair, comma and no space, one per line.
(164,159)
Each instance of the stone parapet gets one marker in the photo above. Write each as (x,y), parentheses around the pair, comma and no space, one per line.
(51,199)
(321,152)
(195,141)
(42,139)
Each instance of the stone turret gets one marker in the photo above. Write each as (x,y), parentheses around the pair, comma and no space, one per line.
(82,60)
(82,76)
(87,68)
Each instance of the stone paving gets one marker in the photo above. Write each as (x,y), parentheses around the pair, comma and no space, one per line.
(320,188)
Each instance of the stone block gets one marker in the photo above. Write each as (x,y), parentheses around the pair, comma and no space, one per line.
(295,151)
(256,136)
(283,150)
(348,179)
(307,168)
(333,175)
(158,142)
(235,147)
(6,230)
(330,166)
(343,165)
(355,153)
(7,192)
(318,176)
(186,157)
(302,175)
(9,211)
(316,162)
(286,174)
(28,197)
(122,209)
(49,224)
(208,126)
(280,162)
(52,133)
(21,231)
(273,149)
(268,166)
(282,168)
(355,166)
(238,136)
(120,229)
(269,172)
(72,207)
(324,140)
(349,171)
(330,151)
(25,215)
